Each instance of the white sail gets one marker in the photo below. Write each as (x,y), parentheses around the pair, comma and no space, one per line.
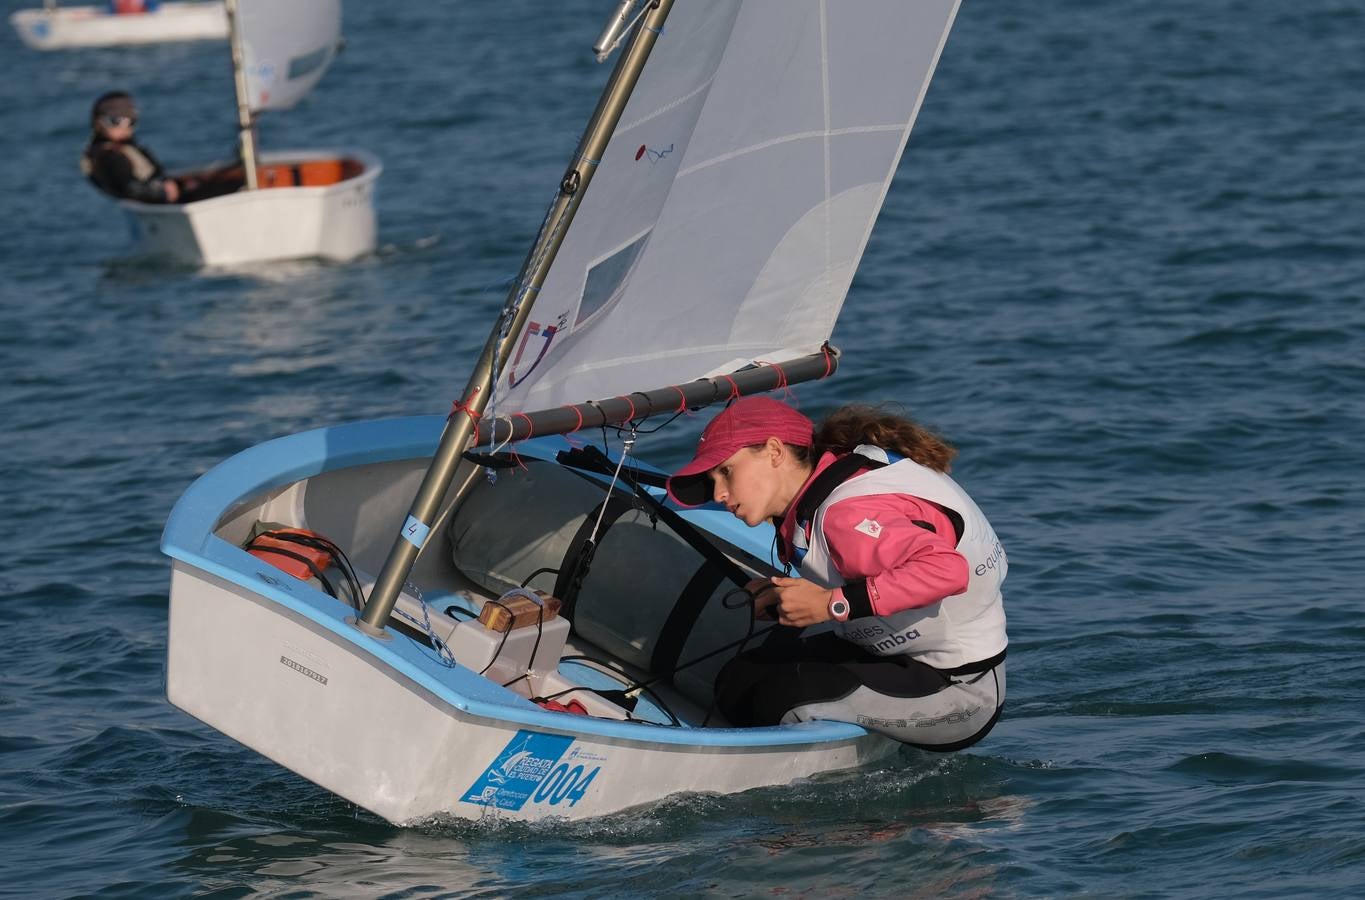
(287,45)
(732,206)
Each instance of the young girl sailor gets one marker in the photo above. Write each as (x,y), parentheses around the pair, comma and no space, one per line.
(893,555)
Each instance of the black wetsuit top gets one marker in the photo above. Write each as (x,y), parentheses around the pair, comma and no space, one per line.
(110,169)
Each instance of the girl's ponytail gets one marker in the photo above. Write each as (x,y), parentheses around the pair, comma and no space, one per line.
(849,426)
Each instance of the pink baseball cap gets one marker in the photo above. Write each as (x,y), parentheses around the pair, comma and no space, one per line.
(747,422)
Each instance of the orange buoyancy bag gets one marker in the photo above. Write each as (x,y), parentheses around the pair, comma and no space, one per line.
(301,553)
(301,559)
(573,706)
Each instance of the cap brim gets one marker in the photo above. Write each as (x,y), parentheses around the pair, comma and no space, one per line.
(690,490)
(691,485)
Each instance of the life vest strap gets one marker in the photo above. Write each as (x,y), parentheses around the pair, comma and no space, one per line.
(979,667)
(839,471)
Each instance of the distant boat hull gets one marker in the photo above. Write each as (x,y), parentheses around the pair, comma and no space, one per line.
(386,724)
(69,27)
(330,216)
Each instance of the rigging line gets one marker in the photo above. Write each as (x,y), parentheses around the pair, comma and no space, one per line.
(550,227)
(626,447)
(705,656)
(441,647)
(749,635)
(546,237)
(444,656)
(498,448)
(635,428)
(503,642)
(535,648)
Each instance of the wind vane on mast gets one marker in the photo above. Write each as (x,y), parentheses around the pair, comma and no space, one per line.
(613,32)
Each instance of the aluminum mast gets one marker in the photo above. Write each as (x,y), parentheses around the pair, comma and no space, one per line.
(461,425)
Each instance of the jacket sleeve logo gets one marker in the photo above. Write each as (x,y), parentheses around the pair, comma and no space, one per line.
(870,527)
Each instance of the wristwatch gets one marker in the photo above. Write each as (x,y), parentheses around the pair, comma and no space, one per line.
(838,606)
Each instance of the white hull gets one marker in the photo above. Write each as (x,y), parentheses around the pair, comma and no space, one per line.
(273,662)
(334,222)
(69,27)
(382,740)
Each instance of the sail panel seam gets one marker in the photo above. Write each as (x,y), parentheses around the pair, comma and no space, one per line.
(700,89)
(895,128)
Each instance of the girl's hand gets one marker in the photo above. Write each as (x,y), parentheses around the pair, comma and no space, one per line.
(799,602)
(764,597)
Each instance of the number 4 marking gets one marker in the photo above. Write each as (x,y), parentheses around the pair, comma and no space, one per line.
(578,790)
(415,531)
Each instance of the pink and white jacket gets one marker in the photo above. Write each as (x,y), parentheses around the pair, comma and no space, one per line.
(917,560)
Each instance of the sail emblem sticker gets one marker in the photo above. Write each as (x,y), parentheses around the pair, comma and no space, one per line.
(265,77)
(654,155)
(533,329)
(529,769)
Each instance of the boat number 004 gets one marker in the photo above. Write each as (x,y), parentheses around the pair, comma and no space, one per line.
(565,784)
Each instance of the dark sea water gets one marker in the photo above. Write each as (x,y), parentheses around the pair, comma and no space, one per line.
(1121,268)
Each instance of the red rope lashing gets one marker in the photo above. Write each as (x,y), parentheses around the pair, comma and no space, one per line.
(627,398)
(462,406)
(568,435)
(734,389)
(530,425)
(682,400)
(783,384)
(829,360)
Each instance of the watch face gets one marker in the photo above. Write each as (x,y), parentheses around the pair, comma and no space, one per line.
(839,609)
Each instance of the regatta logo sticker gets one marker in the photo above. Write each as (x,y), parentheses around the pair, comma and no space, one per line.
(516,772)
(869,527)
(529,769)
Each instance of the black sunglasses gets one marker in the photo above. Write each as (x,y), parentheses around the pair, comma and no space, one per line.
(117,121)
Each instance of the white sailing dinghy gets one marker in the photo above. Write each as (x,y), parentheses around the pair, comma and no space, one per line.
(290,205)
(56,27)
(737,162)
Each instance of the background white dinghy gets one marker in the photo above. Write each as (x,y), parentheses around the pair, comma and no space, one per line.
(56,27)
(290,204)
(311,203)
